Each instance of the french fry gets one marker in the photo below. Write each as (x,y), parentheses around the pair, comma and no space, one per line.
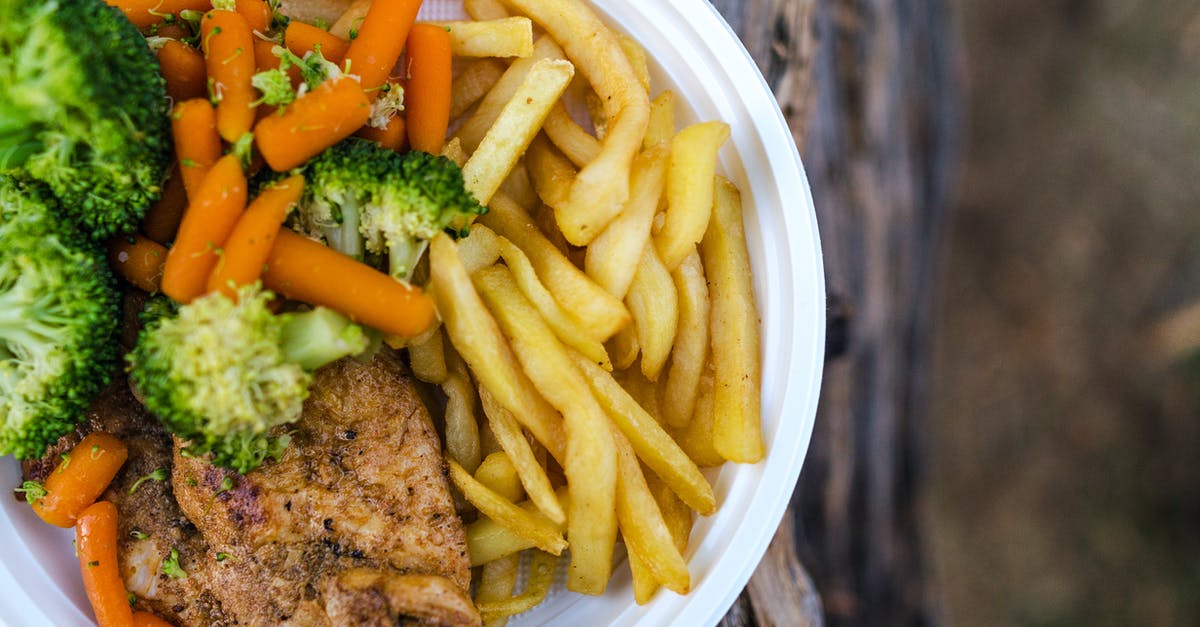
(601,187)
(650,441)
(611,257)
(581,297)
(472,83)
(485,9)
(497,580)
(536,528)
(624,349)
(678,518)
(661,127)
(691,342)
(518,187)
(515,127)
(737,371)
(530,473)
(654,305)
(645,584)
(591,465)
(541,575)
(428,358)
(642,526)
(498,474)
(551,174)
(488,541)
(475,336)
(642,390)
(476,127)
(575,143)
(480,249)
(689,195)
(503,37)
(453,151)
(696,439)
(637,59)
(462,431)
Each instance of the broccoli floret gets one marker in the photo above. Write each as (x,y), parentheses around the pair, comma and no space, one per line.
(82,108)
(58,319)
(363,196)
(223,374)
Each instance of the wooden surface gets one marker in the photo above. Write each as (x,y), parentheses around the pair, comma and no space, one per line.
(870,90)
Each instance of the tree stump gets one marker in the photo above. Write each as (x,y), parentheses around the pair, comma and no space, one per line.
(871,90)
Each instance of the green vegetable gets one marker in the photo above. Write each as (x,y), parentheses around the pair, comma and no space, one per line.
(34,491)
(159,474)
(225,375)
(82,107)
(361,197)
(58,318)
(171,568)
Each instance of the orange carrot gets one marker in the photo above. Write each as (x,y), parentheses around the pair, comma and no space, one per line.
(257,14)
(146,13)
(228,45)
(96,543)
(162,218)
(314,122)
(250,243)
(80,479)
(427,99)
(374,53)
(265,59)
(304,270)
(392,137)
(138,260)
(183,68)
(303,38)
(209,219)
(146,619)
(197,144)
(174,30)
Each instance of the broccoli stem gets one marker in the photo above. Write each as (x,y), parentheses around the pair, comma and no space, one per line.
(18,144)
(403,255)
(345,237)
(314,338)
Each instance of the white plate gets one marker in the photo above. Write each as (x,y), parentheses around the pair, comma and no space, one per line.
(694,52)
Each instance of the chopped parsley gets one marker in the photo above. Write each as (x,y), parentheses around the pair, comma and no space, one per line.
(159,474)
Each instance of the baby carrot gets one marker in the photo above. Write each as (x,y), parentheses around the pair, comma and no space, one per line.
(393,136)
(96,543)
(228,45)
(304,270)
(197,144)
(374,52)
(80,479)
(138,260)
(249,244)
(209,219)
(303,38)
(146,619)
(257,14)
(427,99)
(183,68)
(162,218)
(316,121)
(146,13)
(174,30)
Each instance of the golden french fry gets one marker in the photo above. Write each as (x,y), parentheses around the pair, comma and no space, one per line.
(479,249)
(496,472)
(675,512)
(645,584)
(536,528)
(476,127)
(691,342)
(577,144)
(601,187)
(453,151)
(529,472)
(650,441)
(541,575)
(637,59)
(515,127)
(497,580)
(689,193)
(654,305)
(591,465)
(428,358)
(570,332)
(642,390)
(462,430)
(595,110)
(661,127)
(737,370)
(580,296)
(477,338)
(696,439)
(551,174)
(518,187)
(624,347)
(504,37)
(488,541)
(544,219)
(351,19)
(485,9)
(612,257)
(642,526)
(474,82)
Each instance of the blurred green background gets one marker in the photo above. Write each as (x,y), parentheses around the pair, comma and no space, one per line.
(1065,481)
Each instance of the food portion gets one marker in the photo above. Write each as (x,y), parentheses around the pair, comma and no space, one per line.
(504,206)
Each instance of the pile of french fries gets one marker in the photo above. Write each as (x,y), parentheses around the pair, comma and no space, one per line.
(600,339)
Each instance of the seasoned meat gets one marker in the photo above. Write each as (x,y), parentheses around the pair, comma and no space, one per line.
(355,525)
